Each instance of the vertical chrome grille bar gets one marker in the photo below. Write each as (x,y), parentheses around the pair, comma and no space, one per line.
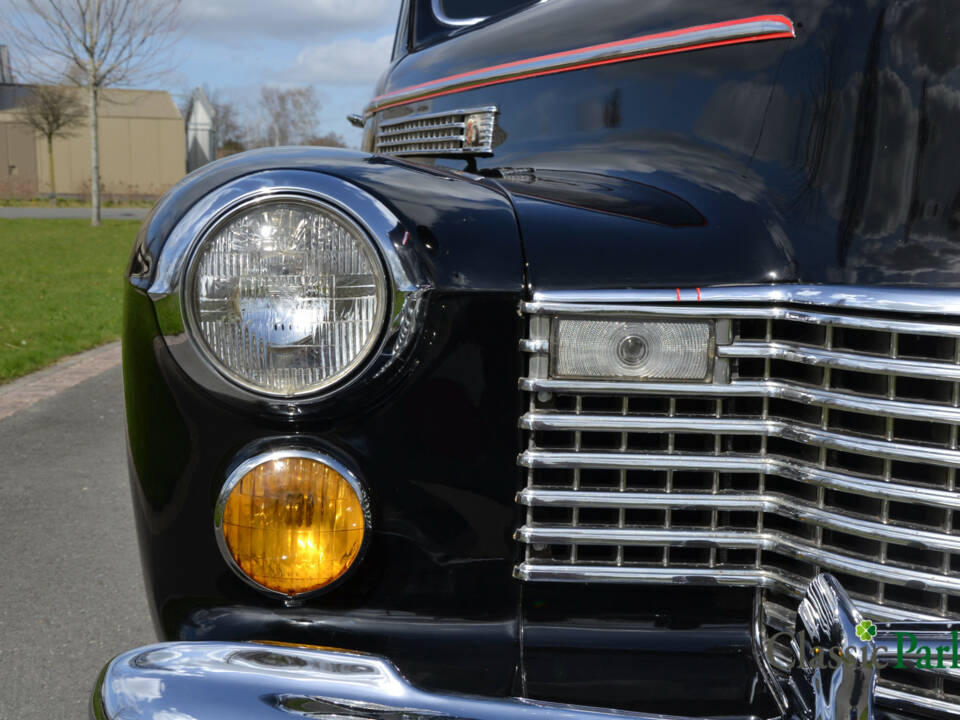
(715,514)
(671,445)
(825,425)
(622,513)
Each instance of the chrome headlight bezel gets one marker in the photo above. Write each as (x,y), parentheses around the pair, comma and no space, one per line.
(189,306)
(404,284)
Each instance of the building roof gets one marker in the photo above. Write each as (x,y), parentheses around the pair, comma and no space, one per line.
(114,102)
(199,97)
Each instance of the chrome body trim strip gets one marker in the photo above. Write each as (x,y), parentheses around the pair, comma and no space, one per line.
(770,502)
(878,299)
(253,681)
(751,29)
(724,426)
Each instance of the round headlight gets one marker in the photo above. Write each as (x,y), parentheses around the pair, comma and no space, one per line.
(286,297)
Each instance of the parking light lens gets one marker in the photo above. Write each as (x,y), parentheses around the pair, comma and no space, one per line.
(626,349)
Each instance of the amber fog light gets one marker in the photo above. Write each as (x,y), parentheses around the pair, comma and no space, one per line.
(291,522)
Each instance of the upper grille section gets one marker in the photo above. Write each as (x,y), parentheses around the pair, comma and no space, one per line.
(455,132)
(827,441)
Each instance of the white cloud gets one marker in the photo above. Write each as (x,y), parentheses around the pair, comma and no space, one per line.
(344,62)
(285,20)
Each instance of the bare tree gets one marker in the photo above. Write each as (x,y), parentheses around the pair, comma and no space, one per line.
(290,114)
(53,112)
(330,139)
(102,43)
(226,122)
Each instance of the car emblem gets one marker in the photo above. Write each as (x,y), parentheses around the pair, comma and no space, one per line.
(471,132)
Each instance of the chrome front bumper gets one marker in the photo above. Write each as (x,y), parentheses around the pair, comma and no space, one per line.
(258,681)
(252,681)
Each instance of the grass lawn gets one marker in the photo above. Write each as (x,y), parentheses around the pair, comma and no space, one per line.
(43,202)
(60,289)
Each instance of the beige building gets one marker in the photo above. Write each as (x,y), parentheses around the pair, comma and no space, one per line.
(142,145)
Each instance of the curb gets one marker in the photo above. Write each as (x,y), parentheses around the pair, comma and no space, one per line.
(42,384)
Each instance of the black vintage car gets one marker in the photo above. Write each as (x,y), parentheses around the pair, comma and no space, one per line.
(635,325)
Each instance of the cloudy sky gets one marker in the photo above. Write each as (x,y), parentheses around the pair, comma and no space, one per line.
(338,46)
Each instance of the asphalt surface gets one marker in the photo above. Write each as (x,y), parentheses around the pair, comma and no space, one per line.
(81,213)
(71,589)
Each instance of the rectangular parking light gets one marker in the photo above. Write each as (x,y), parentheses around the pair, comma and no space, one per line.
(630,349)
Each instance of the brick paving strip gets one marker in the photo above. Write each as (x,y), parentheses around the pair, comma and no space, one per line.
(73,370)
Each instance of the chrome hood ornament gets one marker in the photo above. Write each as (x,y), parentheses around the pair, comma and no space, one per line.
(834,676)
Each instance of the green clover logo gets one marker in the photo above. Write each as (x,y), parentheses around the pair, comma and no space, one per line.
(866,630)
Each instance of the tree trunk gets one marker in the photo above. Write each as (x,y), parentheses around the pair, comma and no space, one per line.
(53,179)
(94,157)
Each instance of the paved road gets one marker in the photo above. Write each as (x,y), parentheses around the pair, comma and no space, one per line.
(49,213)
(71,591)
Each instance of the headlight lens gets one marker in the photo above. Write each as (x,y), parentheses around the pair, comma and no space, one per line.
(291,523)
(286,297)
(633,350)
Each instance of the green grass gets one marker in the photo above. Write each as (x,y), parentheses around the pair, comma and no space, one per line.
(61,283)
(72,202)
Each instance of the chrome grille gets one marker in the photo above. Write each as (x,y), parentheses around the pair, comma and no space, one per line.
(439,133)
(827,442)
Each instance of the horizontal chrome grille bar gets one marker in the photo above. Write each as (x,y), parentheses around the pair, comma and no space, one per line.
(911,701)
(678,575)
(876,299)
(733,577)
(412,120)
(772,541)
(420,140)
(742,464)
(724,426)
(762,313)
(742,502)
(747,388)
(841,360)
(404,130)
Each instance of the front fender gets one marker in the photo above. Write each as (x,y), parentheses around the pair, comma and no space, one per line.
(433,436)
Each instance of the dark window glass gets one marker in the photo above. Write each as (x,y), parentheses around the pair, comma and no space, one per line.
(468,9)
(437,20)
